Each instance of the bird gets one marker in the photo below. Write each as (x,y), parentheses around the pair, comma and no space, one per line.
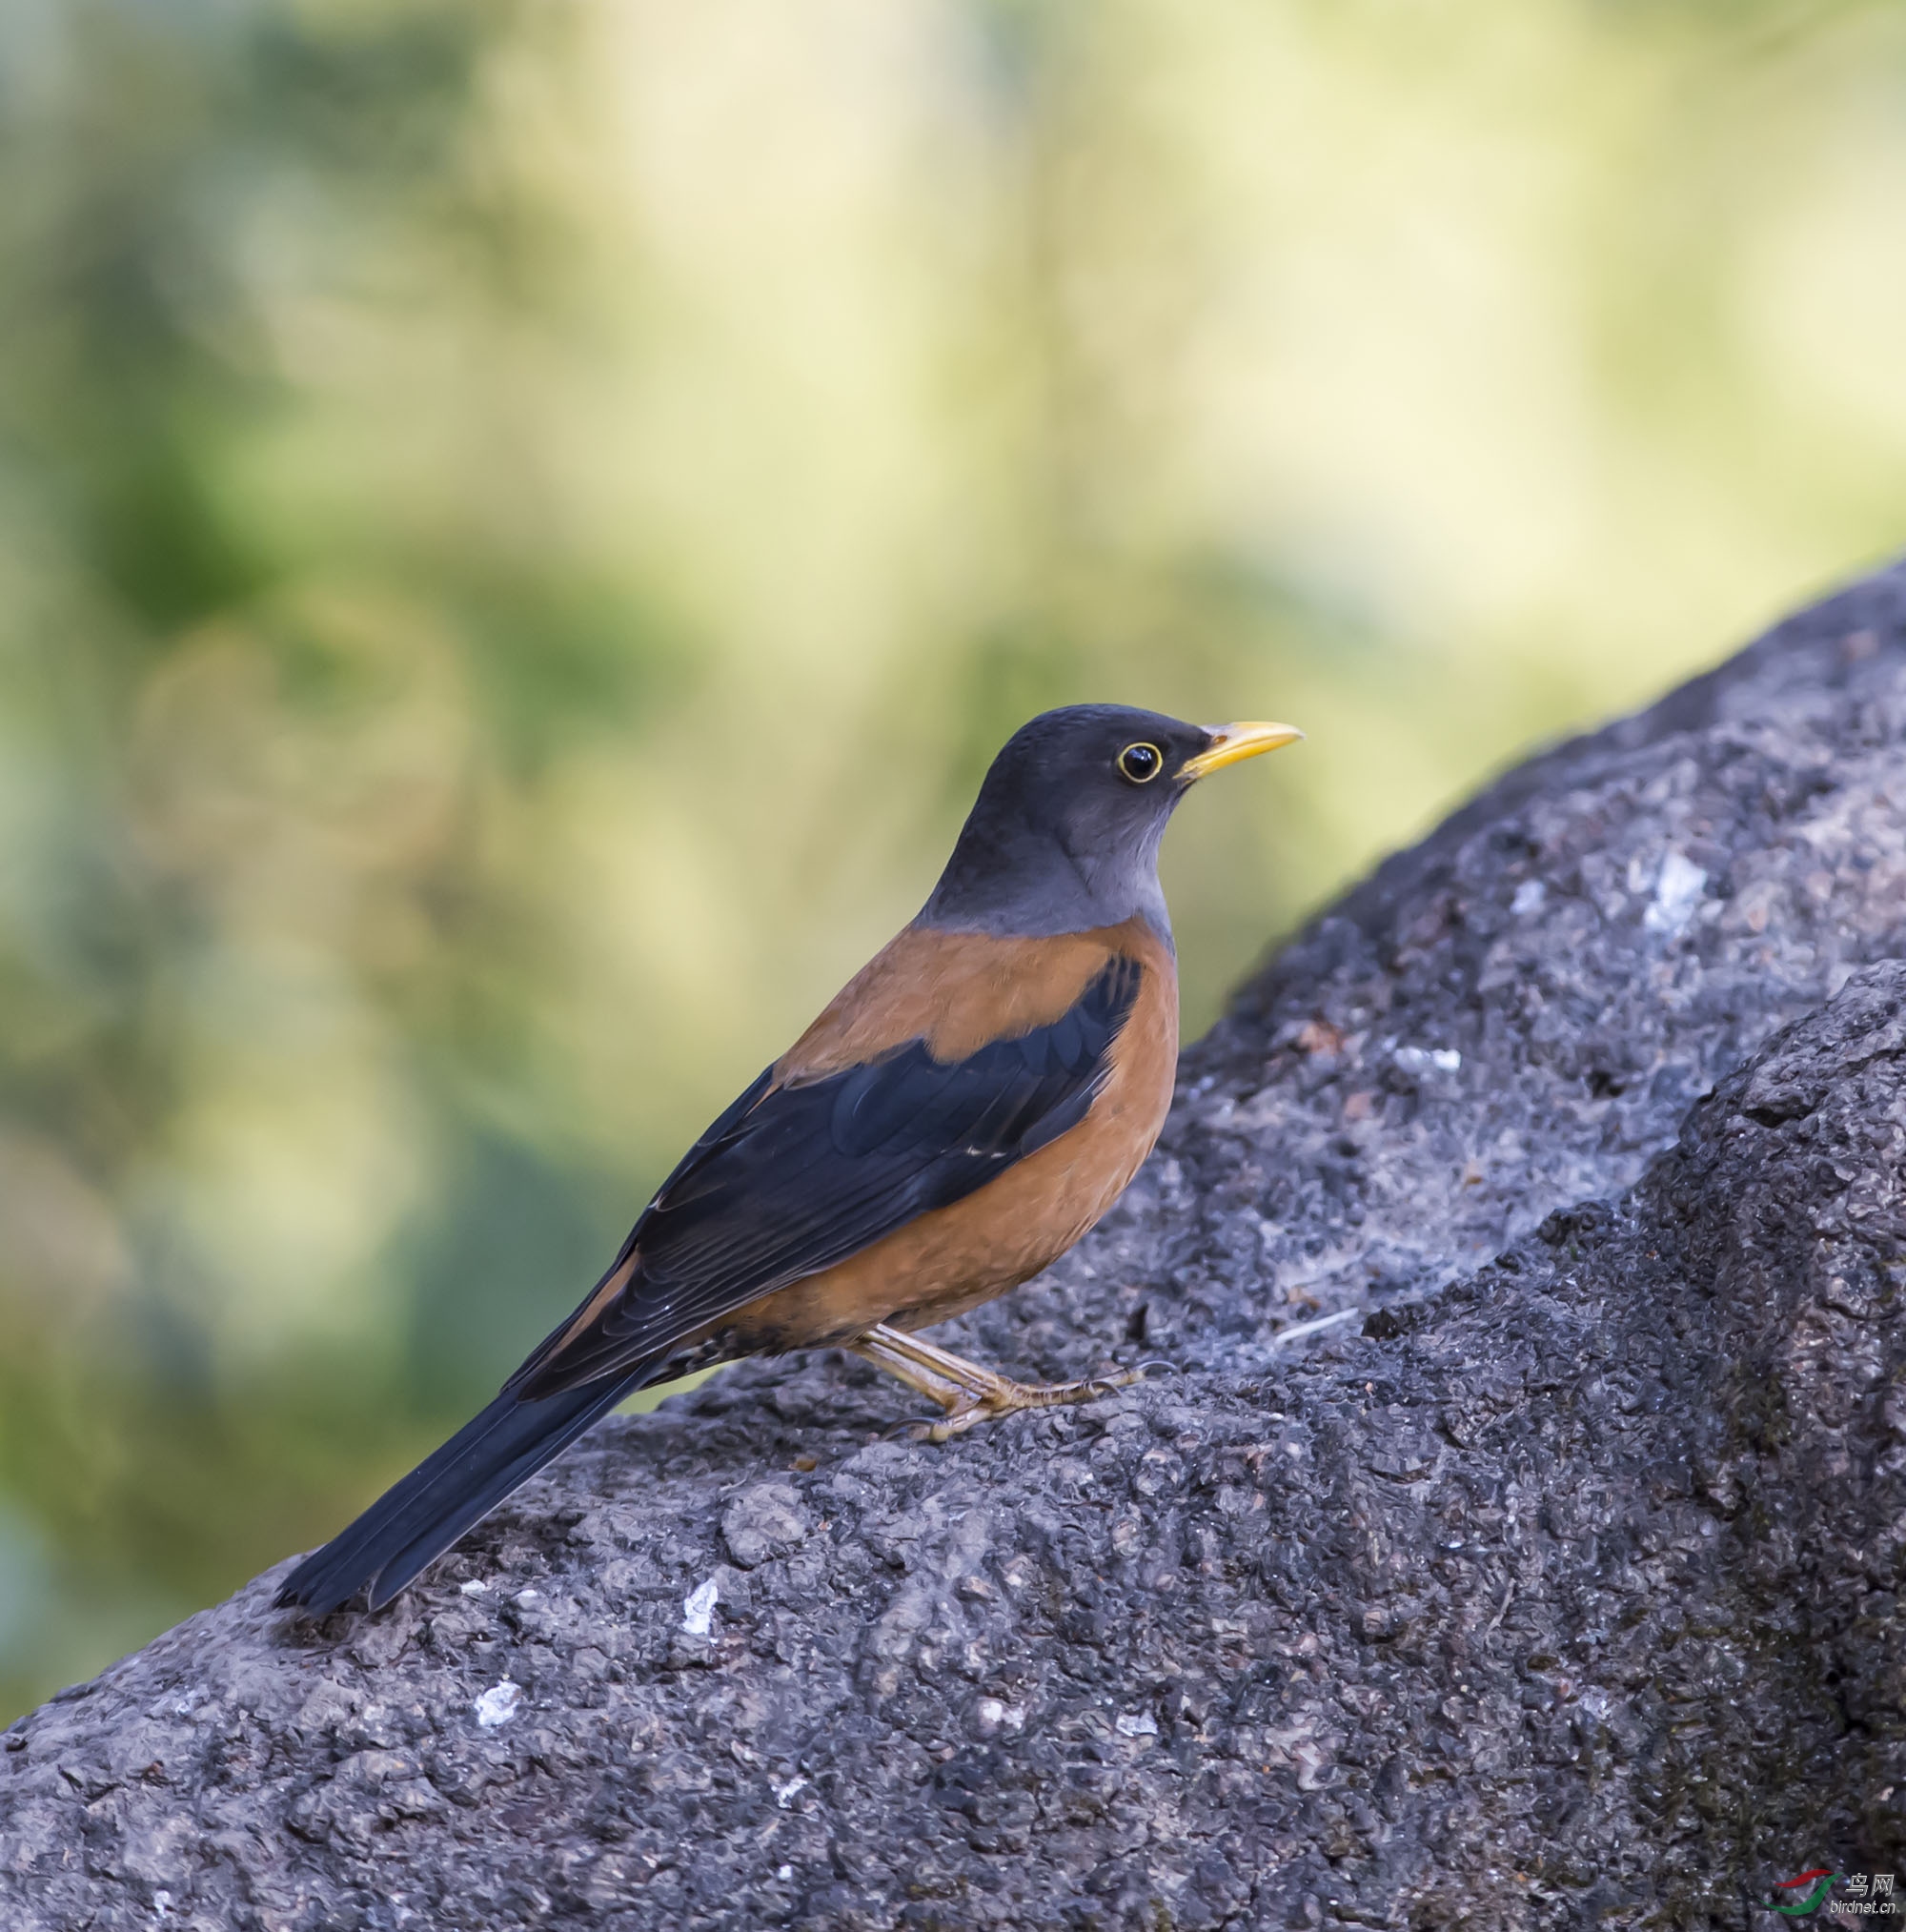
(959,1114)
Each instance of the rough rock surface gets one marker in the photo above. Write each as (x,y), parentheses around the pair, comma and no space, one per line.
(1555,1583)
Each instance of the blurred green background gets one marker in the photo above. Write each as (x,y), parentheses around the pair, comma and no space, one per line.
(520,525)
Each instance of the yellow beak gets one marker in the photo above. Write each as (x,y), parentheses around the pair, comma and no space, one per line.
(1232,743)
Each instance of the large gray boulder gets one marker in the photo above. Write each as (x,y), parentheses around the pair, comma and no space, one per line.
(1517,1542)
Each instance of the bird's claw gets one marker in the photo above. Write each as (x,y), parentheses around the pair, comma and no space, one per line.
(1016,1397)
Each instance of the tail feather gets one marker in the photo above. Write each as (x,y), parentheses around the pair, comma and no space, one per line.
(419,1518)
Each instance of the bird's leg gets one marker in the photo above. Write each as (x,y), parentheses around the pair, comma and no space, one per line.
(968,1392)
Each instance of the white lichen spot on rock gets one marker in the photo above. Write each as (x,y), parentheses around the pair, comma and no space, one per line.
(1421,1059)
(525,1598)
(698,1609)
(997,1714)
(497,1706)
(476,1587)
(1678,892)
(1138,1724)
(1528,898)
(786,1794)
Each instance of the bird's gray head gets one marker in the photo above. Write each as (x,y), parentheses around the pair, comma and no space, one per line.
(1064,836)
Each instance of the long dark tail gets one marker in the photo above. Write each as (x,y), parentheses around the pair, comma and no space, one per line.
(418,1518)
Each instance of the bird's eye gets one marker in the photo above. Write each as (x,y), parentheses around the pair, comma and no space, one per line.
(1141,763)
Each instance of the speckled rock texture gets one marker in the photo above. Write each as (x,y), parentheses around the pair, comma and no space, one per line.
(1517,1542)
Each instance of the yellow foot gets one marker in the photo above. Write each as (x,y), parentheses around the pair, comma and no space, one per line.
(968,1392)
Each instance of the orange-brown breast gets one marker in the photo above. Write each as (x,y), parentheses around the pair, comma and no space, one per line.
(957,991)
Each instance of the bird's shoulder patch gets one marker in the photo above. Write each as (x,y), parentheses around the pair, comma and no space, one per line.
(957,993)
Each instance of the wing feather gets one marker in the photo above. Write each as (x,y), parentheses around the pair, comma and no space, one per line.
(794,1179)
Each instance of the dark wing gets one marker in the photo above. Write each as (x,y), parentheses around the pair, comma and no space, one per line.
(793,1179)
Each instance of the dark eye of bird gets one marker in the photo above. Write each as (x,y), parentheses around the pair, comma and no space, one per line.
(1140,761)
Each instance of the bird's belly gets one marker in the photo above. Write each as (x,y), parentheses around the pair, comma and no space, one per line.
(953,1259)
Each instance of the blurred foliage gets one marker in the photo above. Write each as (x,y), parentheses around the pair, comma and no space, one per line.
(520,527)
